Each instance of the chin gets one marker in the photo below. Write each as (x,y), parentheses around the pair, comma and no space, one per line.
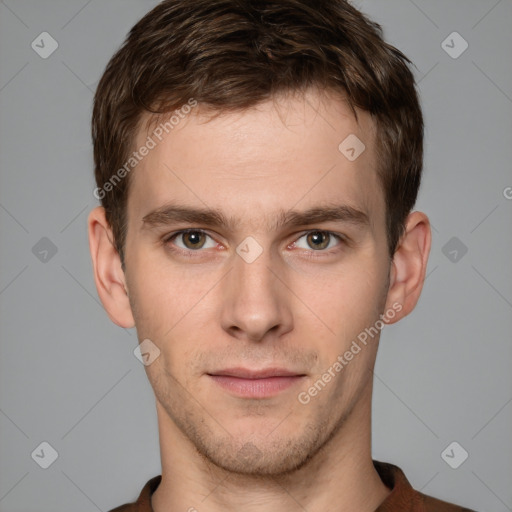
(263,457)
(251,445)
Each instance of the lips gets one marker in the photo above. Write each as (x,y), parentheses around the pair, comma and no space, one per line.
(247,383)
(245,373)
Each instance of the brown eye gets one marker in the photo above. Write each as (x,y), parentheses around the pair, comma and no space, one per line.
(190,242)
(318,239)
(322,242)
(193,239)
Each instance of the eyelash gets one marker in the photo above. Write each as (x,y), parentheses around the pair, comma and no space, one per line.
(310,254)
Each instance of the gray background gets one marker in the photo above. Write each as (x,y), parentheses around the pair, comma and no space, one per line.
(69,376)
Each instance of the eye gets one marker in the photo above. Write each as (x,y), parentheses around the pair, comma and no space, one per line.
(191,239)
(318,240)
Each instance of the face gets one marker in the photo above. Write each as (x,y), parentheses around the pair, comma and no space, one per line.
(256,255)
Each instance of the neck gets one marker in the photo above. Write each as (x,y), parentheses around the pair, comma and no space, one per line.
(342,472)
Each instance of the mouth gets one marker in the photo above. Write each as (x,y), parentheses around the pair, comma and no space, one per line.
(246,383)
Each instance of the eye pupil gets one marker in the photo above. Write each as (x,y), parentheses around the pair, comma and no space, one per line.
(193,240)
(320,239)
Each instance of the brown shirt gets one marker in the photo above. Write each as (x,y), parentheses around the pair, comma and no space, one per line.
(403,498)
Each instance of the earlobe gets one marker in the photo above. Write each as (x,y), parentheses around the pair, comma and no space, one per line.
(409,265)
(108,273)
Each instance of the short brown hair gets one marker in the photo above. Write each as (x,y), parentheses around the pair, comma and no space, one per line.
(233,54)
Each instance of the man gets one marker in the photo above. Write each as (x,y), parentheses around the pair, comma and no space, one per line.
(257,164)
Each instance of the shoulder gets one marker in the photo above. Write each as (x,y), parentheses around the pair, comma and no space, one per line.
(143,503)
(434,505)
(404,498)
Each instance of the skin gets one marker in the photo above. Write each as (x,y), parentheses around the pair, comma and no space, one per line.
(214,310)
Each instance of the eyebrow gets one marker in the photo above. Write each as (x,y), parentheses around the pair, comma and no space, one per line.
(172,213)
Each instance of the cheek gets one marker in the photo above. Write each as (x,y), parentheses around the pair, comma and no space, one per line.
(172,313)
(342,302)
(165,295)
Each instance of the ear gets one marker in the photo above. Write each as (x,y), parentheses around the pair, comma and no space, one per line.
(409,266)
(108,273)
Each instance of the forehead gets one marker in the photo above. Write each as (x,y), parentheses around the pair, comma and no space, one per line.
(298,151)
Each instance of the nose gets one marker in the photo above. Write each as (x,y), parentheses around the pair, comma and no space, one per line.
(255,300)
